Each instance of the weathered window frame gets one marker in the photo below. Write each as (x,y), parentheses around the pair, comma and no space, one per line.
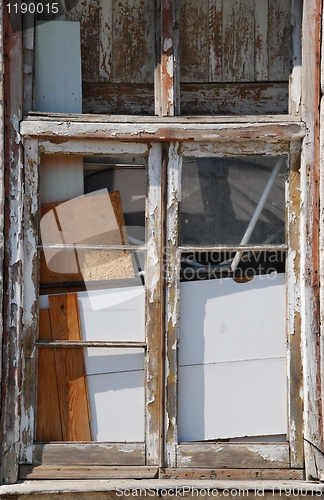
(304,316)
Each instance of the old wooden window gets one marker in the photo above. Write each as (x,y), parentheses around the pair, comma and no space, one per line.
(253,163)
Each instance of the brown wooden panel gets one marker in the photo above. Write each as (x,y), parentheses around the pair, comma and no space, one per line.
(180,473)
(123,99)
(70,369)
(89,453)
(234,99)
(48,425)
(86,472)
(240,456)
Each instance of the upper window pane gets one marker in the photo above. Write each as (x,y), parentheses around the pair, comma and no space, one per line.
(233,201)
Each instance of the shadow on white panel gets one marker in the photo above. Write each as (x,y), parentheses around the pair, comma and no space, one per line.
(225,400)
(117,406)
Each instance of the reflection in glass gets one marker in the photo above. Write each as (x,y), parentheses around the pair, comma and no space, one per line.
(233,201)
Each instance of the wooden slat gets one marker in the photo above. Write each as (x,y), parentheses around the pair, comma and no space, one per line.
(261,39)
(86,472)
(180,473)
(238,40)
(215,40)
(105,39)
(70,369)
(194,42)
(121,99)
(236,99)
(279,32)
(240,456)
(48,426)
(86,12)
(89,453)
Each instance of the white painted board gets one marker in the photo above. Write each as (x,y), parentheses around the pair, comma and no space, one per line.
(61,178)
(232,358)
(221,320)
(58,67)
(117,406)
(227,400)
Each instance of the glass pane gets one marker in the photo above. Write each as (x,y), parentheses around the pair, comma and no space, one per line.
(233,201)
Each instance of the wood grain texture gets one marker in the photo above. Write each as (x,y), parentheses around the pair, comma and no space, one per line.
(89,453)
(279,39)
(264,474)
(86,472)
(121,99)
(240,456)
(48,424)
(70,369)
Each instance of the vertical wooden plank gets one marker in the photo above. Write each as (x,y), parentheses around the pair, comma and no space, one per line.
(70,369)
(279,31)
(294,361)
(172,302)
(28,55)
(215,40)
(193,41)
(311,338)
(167,95)
(261,40)
(238,40)
(133,41)
(154,332)
(87,13)
(11,350)
(48,424)
(105,39)
(2,173)
(296,72)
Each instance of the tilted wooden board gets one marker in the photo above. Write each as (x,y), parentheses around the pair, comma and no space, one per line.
(49,426)
(70,369)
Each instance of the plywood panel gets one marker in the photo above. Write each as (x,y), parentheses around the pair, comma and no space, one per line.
(58,84)
(70,369)
(48,426)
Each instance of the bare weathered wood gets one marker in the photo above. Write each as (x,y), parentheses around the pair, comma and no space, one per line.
(86,12)
(240,456)
(311,334)
(154,386)
(91,147)
(295,375)
(2,187)
(172,303)
(261,40)
(215,44)
(238,40)
(86,472)
(231,148)
(68,129)
(236,99)
(296,70)
(28,56)
(90,343)
(105,39)
(194,41)
(167,71)
(263,474)
(279,31)
(11,349)
(89,453)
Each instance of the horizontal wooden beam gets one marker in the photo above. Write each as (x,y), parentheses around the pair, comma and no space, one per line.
(90,343)
(94,453)
(86,472)
(234,455)
(184,473)
(64,129)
